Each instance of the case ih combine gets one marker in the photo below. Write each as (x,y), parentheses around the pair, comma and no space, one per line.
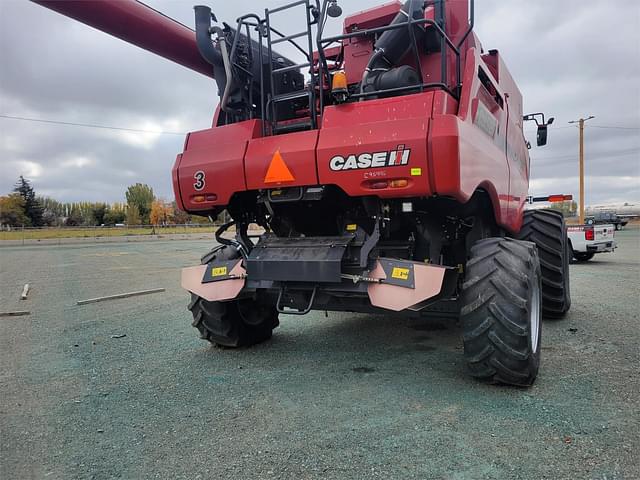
(388,169)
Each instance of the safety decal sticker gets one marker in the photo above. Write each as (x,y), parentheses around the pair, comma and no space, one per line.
(400,273)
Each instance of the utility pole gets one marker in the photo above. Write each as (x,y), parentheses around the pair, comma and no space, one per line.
(581,125)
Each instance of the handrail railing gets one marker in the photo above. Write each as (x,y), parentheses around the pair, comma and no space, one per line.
(444,83)
(263,28)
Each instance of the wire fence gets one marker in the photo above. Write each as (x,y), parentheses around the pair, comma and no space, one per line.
(28,234)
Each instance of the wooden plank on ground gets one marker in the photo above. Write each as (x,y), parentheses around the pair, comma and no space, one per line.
(119,295)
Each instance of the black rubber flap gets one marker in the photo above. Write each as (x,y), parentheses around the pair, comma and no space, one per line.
(310,259)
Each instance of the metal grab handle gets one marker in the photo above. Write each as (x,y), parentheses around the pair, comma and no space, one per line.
(281,308)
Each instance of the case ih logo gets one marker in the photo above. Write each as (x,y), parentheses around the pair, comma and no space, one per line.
(394,158)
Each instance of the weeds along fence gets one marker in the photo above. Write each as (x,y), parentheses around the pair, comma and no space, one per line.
(24,235)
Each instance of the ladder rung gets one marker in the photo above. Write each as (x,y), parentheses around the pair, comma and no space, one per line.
(287,7)
(291,96)
(291,68)
(290,37)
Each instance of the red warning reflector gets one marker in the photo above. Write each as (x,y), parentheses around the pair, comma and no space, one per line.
(278,170)
(560,198)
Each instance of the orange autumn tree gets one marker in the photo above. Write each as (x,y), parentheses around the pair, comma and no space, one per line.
(161,213)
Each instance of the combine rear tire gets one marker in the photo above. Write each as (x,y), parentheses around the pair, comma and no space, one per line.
(501,311)
(546,228)
(237,323)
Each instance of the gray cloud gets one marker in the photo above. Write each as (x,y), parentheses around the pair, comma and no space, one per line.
(570,58)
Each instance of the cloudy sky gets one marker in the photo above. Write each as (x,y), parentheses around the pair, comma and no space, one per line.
(571,58)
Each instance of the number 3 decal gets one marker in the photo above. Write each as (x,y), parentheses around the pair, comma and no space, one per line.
(199,180)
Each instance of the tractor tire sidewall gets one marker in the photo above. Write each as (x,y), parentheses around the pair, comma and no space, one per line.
(547,230)
(497,312)
(235,323)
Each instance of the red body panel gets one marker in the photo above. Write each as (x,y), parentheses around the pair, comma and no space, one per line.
(218,153)
(372,127)
(298,150)
(469,150)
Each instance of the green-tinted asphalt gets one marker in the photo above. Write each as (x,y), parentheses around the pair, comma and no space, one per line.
(348,396)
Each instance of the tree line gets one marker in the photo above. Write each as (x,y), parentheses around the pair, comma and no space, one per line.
(23,207)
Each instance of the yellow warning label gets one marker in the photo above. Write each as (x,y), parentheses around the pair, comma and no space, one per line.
(400,273)
(218,271)
(416,172)
(352,227)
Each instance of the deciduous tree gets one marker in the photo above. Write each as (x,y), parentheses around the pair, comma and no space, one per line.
(12,210)
(140,196)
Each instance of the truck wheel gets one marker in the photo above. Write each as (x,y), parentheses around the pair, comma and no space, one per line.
(501,311)
(237,323)
(583,256)
(546,228)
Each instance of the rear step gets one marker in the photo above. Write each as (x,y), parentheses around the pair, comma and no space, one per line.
(315,259)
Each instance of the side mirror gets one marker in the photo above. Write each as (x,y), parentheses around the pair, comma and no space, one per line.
(542,135)
(542,126)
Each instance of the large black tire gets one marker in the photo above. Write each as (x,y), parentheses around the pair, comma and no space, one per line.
(501,311)
(237,323)
(583,256)
(546,228)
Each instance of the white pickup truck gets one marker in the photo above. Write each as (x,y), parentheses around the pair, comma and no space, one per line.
(587,240)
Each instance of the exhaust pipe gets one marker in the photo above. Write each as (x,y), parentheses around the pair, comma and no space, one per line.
(203,35)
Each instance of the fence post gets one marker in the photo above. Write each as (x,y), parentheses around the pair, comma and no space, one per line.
(22,234)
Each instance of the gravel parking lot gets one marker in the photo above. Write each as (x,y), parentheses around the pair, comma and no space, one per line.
(342,396)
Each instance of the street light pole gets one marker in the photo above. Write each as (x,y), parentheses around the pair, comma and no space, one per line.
(581,125)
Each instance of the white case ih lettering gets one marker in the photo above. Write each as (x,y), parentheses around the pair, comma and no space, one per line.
(394,158)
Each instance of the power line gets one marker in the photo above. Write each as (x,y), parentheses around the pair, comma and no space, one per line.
(609,154)
(162,132)
(89,125)
(614,128)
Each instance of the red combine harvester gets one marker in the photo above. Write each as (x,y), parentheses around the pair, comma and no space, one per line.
(388,168)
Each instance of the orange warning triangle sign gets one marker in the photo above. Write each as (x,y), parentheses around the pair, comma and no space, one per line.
(278,170)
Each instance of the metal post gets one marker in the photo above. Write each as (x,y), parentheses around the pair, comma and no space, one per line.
(581,123)
(581,171)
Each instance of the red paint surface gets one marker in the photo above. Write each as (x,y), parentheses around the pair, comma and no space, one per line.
(136,23)
(377,126)
(298,151)
(219,153)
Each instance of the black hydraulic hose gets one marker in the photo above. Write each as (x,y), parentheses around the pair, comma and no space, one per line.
(242,249)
